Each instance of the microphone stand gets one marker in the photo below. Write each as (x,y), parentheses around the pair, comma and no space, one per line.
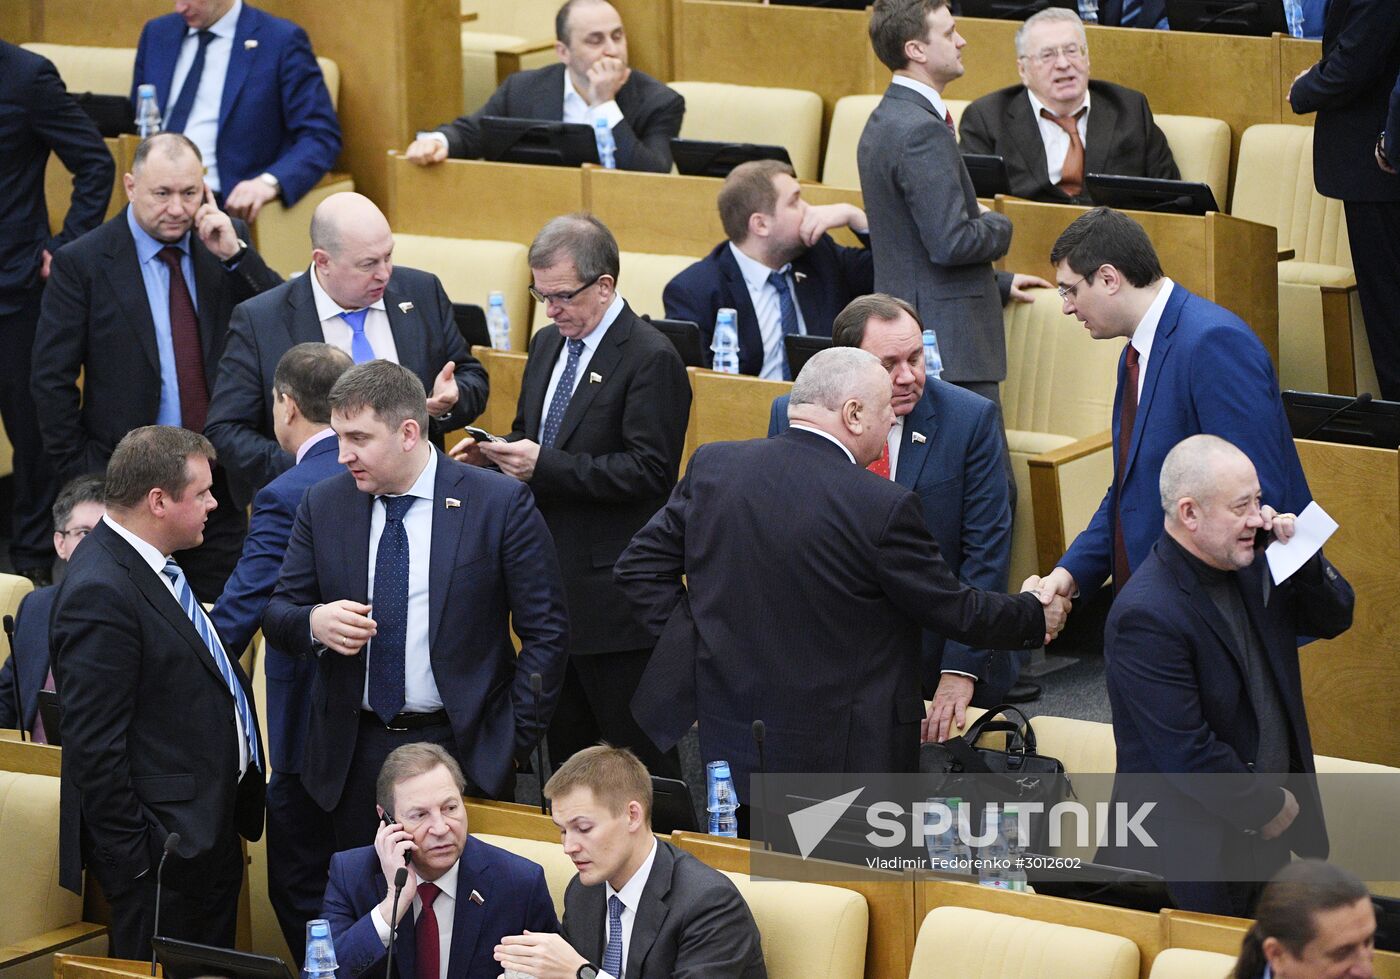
(400,879)
(536,685)
(9,624)
(171,842)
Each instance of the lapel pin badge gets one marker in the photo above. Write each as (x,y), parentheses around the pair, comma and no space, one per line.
(594,378)
(919,438)
(405,307)
(476,898)
(799,276)
(451,503)
(250,44)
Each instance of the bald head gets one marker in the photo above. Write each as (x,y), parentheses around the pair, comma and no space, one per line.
(351,249)
(1193,467)
(1210,494)
(845,392)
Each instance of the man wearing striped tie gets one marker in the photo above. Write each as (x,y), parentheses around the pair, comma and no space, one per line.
(160,741)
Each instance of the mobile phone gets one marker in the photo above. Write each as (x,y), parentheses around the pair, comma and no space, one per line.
(482,435)
(388,820)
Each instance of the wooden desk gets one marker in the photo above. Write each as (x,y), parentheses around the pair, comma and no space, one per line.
(727,407)
(476,199)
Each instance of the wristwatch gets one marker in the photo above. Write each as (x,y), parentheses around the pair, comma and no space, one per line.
(237,256)
(587,971)
(271,181)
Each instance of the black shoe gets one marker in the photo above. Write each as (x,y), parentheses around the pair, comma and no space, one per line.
(1022,693)
(41,576)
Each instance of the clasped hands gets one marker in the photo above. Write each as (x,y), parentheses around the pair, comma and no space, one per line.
(1054,591)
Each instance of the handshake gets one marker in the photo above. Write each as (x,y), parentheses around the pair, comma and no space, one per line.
(1054,591)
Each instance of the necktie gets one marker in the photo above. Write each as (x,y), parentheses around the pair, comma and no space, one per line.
(206,632)
(1126,417)
(425,933)
(386,649)
(189,354)
(180,113)
(787,313)
(1131,9)
(881,466)
(612,955)
(948,120)
(1072,173)
(562,393)
(360,348)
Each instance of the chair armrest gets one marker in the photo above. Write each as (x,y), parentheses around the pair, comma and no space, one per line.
(1066,487)
(49,942)
(516,58)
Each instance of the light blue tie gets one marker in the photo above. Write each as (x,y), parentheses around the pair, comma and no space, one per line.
(361,350)
(206,632)
(612,955)
(562,393)
(1131,9)
(787,312)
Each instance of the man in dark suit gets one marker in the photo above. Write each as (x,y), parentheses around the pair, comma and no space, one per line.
(354,298)
(638,905)
(598,436)
(1146,14)
(946,446)
(464,895)
(592,83)
(1349,90)
(451,558)
(246,88)
(300,838)
(934,244)
(27,671)
(1057,126)
(159,733)
(806,582)
(146,343)
(1203,676)
(1189,367)
(37,117)
(779,270)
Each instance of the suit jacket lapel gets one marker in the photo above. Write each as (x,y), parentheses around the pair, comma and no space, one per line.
(537,381)
(304,324)
(164,51)
(1025,137)
(208,270)
(912,453)
(553,96)
(651,914)
(406,326)
(354,557)
(406,943)
(1199,601)
(240,62)
(1157,356)
(447,531)
(603,364)
(466,922)
(737,290)
(123,272)
(1103,120)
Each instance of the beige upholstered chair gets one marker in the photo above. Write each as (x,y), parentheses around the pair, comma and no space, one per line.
(558,868)
(13,588)
(504,38)
(785,117)
(972,944)
(104,71)
(1353,793)
(1201,148)
(847,123)
(1190,963)
(470,269)
(643,277)
(811,931)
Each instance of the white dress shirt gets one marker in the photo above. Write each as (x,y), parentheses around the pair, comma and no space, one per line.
(826,435)
(896,436)
(202,126)
(337,332)
(577,109)
(1054,137)
(420,689)
(630,896)
(590,346)
(768,308)
(444,909)
(927,91)
(153,557)
(1146,331)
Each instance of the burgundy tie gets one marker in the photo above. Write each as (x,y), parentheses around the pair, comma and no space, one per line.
(425,933)
(1126,415)
(189,355)
(948,118)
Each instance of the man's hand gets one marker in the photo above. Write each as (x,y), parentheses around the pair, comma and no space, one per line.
(445,393)
(821,218)
(343,627)
(215,229)
(604,79)
(393,845)
(1277,826)
(1056,612)
(45,264)
(1053,591)
(1057,582)
(516,459)
(425,152)
(468,451)
(1021,284)
(948,711)
(543,956)
(248,198)
(1283,525)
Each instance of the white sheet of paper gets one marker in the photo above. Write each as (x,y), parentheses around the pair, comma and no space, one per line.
(1313,528)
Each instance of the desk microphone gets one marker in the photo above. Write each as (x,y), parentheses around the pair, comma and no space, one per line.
(9,623)
(171,842)
(759,733)
(536,686)
(400,879)
(1364,398)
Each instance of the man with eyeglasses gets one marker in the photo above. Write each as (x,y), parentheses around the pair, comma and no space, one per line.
(598,434)
(76,511)
(1058,125)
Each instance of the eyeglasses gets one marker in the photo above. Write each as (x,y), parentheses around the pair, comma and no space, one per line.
(564,298)
(1067,292)
(77,533)
(1048,56)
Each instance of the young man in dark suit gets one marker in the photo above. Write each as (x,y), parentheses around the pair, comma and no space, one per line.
(779,270)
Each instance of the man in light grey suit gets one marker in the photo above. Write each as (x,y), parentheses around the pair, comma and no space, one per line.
(934,244)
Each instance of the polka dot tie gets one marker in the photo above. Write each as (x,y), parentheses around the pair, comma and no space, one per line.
(386,649)
(612,955)
(560,402)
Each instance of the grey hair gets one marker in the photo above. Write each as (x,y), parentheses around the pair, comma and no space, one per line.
(1050,15)
(1191,469)
(582,239)
(833,377)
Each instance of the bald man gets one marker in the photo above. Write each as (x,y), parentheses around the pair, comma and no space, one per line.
(353,298)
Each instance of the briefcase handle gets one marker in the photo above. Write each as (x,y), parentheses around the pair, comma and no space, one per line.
(994,720)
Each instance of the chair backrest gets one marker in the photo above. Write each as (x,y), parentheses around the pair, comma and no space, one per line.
(330,71)
(973,944)
(815,931)
(1201,148)
(1190,963)
(1274,185)
(558,868)
(528,20)
(727,407)
(1353,792)
(105,71)
(786,117)
(13,588)
(470,269)
(642,280)
(848,119)
(29,858)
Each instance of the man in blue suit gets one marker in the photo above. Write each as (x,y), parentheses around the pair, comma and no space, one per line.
(946,446)
(246,88)
(299,840)
(1190,367)
(779,270)
(447,558)
(461,896)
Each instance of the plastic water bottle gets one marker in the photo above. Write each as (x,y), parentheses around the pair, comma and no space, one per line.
(725,345)
(607,146)
(497,322)
(999,860)
(721,803)
(1293,14)
(933,360)
(948,852)
(147,112)
(320,951)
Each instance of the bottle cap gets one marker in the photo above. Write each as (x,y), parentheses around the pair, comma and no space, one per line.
(142,91)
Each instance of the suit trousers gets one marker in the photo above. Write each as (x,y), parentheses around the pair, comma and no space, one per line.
(595,704)
(1373,228)
(300,844)
(209,565)
(35,480)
